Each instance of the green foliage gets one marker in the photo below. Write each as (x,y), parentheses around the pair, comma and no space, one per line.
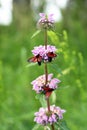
(42,100)
(62,126)
(36,127)
(70,69)
(53,37)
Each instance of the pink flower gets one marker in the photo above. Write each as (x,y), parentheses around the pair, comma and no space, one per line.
(43,54)
(44,117)
(42,51)
(46,21)
(40,86)
(53,83)
(44,18)
(41,117)
(38,50)
(58,111)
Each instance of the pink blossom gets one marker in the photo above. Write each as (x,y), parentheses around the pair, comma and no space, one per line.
(41,117)
(47,54)
(44,117)
(39,83)
(42,51)
(58,111)
(53,83)
(38,50)
(46,18)
(46,21)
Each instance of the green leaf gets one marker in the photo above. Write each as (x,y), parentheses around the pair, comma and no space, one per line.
(56,68)
(42,100)
(46,128)
(53,97)
(62,125)
(36,33)
(36,127)
(65,72)
(31,64)
(38,96)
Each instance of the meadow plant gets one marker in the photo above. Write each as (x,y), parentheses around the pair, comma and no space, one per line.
(45,84)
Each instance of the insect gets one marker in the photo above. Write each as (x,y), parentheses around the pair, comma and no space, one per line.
(47,91)
(50,56)
(34,59)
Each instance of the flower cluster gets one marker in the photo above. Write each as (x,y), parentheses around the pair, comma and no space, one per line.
(46,21)
(40,86)
(43,54)
(42,51)
(44,117)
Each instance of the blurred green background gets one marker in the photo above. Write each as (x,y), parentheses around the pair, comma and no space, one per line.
(17,100)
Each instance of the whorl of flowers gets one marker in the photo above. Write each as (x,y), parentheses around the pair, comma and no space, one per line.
(40,50)
(42,54)
(45,117)
(46,21)
(39,83)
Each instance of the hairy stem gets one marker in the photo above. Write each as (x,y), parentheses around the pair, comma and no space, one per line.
(45,38)
(48,104)
(45,43)
(46,74)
